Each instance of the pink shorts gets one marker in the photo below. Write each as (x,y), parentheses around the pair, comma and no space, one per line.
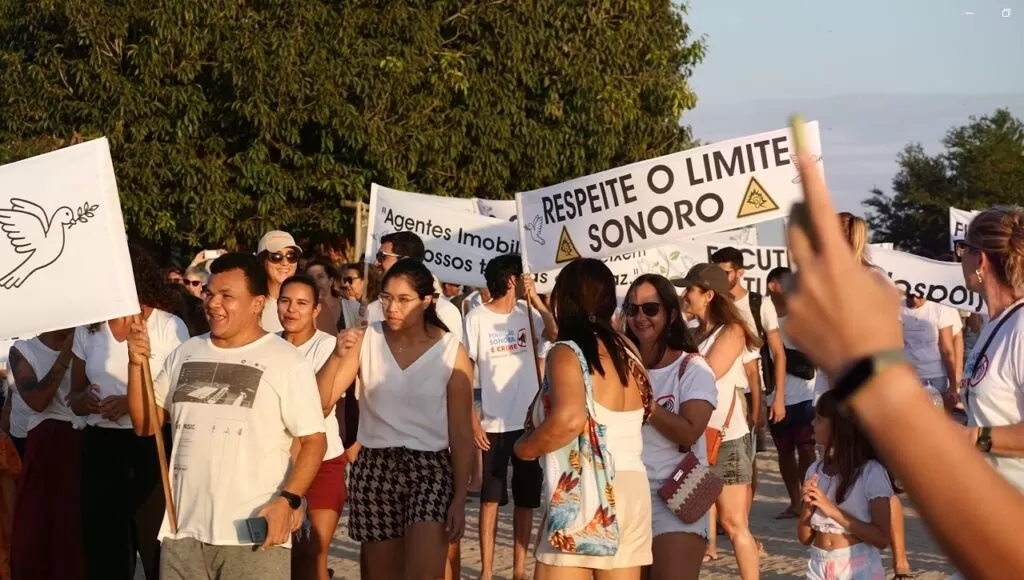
(327,491)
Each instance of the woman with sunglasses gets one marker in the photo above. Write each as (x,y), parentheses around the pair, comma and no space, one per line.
(722,337)
(280,257)
(684,405)
(194,280)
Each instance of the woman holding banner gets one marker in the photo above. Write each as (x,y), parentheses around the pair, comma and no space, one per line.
(122,499)
(723,337)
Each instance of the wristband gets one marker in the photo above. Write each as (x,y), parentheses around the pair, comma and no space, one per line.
(862,371)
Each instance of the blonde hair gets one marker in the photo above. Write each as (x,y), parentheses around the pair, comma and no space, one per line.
(999,232)
(856,231)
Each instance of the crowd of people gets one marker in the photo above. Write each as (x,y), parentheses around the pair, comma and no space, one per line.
(283,396)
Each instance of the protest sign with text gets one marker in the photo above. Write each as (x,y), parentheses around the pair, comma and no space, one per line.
(62,227)
(651,203)
(459,242)
(941,282)
(959,219)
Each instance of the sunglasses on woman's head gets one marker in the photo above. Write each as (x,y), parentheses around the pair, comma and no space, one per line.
(650,309)
(278,257)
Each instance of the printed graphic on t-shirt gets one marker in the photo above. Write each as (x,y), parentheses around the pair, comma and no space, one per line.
(510,342)
(980,371)
(215,383)
(667,402)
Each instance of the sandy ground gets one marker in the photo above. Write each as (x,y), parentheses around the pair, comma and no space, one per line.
(787,558)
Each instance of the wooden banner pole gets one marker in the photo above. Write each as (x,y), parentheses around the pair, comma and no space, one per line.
(161,451)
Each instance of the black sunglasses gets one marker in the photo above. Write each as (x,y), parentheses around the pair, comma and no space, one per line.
(195,283)
(650,309)
(960,247)
(350,279)
(278,257)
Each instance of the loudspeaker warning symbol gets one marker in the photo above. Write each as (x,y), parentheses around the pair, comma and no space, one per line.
(566,249)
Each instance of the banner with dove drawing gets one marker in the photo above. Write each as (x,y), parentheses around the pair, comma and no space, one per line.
(63,248)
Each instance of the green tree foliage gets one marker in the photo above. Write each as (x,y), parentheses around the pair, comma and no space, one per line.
(229,118)
(982,166)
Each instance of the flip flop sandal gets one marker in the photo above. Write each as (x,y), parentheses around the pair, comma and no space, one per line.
(787,514)
(710,558)
(904,576)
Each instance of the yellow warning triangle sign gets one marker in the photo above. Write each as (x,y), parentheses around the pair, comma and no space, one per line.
(566,249)
(756,200)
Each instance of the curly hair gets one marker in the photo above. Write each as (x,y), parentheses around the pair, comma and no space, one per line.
(151,285)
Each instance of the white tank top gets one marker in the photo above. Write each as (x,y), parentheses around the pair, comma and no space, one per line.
(734,378)
(41,358)
(404,408)
(624,437)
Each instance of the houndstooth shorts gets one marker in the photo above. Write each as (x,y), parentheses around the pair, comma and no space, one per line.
(392,488)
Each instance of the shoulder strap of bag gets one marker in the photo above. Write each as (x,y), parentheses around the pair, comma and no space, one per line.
(995,331)
(728,416)
(686,362)
(755,309)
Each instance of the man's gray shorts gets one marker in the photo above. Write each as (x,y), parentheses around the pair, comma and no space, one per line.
(189,559)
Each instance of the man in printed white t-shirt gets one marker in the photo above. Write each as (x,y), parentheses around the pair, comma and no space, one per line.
(401,245)
(236,399)
(497,341)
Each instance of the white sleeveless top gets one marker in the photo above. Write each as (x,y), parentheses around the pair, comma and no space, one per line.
(733,379)
(404,408)
(42,358)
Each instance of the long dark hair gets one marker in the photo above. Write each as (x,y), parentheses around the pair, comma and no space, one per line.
(848,447)
(422,282)
(151,285)
(584,302)
(675,335)
(723,311)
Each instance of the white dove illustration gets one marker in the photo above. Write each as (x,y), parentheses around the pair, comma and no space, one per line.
(31,232)
(534,228)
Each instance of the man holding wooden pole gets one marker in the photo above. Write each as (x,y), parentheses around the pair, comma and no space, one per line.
(236,399)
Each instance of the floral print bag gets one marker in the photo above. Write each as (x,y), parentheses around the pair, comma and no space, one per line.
(580,511)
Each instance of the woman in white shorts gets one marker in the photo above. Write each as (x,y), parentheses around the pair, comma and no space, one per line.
(684,406)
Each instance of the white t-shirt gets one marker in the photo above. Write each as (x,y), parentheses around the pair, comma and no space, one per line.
(506,364)
(446,311)
(472,301)
(317,350)
(661,456)
(270,321)
(727,386)
(873,483)
(921,337)
(20,411)
(769,320)
(41,359)
(994,386)
(106,360)
(234,413)
(797,390)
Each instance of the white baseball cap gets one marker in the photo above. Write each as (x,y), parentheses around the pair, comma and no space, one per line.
(275,241)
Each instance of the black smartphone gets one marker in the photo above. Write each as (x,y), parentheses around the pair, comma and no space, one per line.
(800,216)
(257,529)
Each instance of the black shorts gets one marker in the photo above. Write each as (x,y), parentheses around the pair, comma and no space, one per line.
(796,429)
(526,475)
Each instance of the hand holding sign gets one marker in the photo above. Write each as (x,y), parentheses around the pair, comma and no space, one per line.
(839,312)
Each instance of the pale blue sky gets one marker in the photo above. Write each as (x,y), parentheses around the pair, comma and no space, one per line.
(877,74)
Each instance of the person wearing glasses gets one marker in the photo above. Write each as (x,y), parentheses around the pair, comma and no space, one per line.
(194,280)
(399,245)
(279,255)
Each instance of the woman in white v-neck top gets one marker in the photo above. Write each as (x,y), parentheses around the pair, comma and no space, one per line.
(407,488)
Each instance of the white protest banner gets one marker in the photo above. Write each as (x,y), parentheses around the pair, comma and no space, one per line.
(502,209)
(941,282)
(650,203)
(458,242)
(883,245)
(959,219)
(62,228)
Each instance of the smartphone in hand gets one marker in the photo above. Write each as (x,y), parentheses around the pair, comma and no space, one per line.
(257,529)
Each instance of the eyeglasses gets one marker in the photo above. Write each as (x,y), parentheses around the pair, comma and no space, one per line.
(278,257)
(350,279)
(960,247)
(650,309)
(381,254)
(193,283)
